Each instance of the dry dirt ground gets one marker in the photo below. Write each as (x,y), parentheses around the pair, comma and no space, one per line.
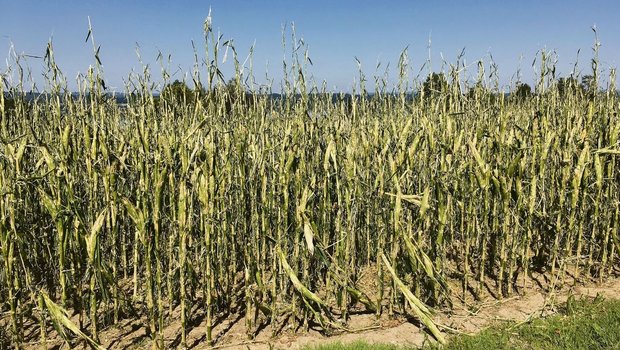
(533,299)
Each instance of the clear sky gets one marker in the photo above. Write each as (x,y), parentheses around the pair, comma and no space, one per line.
(336,32)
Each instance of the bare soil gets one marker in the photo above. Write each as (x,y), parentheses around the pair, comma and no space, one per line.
(534,298)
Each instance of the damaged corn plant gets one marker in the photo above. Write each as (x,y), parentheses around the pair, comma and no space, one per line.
(297,210)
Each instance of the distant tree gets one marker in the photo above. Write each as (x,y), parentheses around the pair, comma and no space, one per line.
(232,88)
(230,93)
(477,90)
(523,91)
(435,84)
(588,85)
(9,104)
(177,90)
(568,86)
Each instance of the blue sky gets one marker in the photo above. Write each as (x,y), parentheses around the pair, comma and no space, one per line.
(336,32)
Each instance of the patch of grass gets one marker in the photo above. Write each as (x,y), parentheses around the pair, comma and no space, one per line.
(584,324)
(581,324)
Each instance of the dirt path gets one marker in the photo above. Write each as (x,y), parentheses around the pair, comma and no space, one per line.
(466,316)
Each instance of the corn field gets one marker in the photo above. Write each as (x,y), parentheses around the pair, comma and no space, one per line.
(230,200)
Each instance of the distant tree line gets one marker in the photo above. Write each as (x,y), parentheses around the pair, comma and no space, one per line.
(434,86)
(566,86)
(231,92)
